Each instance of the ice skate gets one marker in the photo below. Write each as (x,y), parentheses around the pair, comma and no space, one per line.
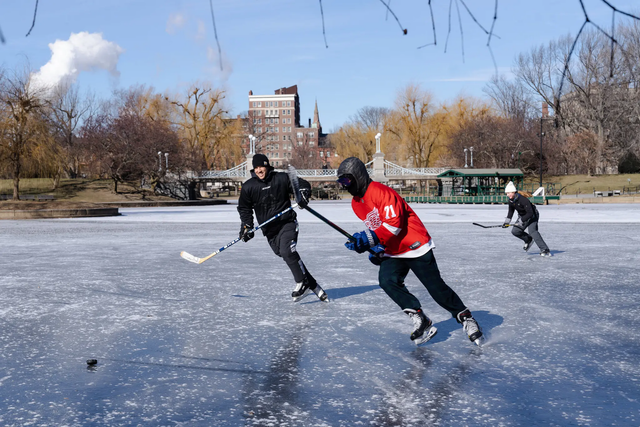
(423,326)
(320,293)
(528,244)
(471,327)
(302,290)
(546,253)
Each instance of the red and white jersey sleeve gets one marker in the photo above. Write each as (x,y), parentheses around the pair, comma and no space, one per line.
(394,222)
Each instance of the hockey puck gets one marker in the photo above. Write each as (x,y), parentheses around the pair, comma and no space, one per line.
(92,362)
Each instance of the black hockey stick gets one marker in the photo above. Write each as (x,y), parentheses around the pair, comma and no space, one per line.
(197,260)
(293,177)
(496,226)
(489,226)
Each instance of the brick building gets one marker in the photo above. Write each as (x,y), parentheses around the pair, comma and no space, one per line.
(275,122)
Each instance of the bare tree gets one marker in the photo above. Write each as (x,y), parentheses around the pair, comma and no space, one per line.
(22,106)
(67,109)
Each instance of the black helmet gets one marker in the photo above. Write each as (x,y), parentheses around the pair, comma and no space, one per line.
(353,175)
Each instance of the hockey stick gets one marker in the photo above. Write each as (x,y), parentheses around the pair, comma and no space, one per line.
(197,260)
(496,226)
(293,177)
(490,226)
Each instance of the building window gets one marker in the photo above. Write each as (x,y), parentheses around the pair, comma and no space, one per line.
(300,135)
(328,153)
(311,143)
(311,134)
(321,154)
(276,104)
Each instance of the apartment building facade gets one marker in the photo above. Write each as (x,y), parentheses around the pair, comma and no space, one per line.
(275,122)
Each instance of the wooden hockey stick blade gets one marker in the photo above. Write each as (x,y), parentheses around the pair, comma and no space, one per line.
(189,257)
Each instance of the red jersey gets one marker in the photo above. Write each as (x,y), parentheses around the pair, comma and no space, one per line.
(395,223)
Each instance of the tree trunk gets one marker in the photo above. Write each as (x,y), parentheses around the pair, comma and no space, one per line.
(16,176)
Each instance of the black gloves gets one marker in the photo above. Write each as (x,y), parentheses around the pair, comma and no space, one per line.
(507,222)
(305,193)
(245,232)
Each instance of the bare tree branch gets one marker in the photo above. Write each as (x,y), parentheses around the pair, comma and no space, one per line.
(215,33)
(33,24)
(324,34)
(433,25)
(404,30)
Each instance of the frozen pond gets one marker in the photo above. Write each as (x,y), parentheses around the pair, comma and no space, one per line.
(221,344)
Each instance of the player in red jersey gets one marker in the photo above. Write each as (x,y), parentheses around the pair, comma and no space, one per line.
(398,242)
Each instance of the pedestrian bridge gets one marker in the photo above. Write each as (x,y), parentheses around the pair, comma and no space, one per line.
(391,172)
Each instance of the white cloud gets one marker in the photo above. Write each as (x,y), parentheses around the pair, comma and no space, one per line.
(175,22)
(202,30)
(82,52)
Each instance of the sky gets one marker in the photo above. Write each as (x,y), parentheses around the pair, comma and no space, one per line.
(269,44)
(222,344)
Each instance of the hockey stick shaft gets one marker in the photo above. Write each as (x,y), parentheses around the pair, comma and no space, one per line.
(497,226)
(198,260)
(293,177)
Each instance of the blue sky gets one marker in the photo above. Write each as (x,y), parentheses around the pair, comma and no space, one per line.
(267,44)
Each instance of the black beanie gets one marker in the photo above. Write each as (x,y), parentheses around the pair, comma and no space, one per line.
(261,160)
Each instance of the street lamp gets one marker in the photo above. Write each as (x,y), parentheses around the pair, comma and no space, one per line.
(166,160)
(159,161)
(252,144)
(465,158)
(378,142)
(471,151)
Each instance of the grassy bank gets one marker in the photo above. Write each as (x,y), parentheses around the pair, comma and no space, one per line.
(79,190)
(584,184)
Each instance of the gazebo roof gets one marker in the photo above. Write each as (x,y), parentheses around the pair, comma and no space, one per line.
(507,173)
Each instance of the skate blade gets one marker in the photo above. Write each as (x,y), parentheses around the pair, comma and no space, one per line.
(480,341)
(426,336)
(321,294)
(306,293)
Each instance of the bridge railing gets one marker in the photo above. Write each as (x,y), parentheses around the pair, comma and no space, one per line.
(239,171)
(391,169)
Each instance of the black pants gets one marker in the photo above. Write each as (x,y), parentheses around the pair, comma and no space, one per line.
(394,270)
(283,244)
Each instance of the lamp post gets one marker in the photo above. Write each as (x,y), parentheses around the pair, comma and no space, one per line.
(159,161)
(471,151)
(541,136)
(166,161)
(378,142)
(465,158)
(252,144)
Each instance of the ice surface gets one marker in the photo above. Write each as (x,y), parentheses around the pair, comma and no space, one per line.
(221,343)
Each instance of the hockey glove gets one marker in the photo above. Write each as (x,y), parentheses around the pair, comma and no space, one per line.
(305,193)
(245,232)
(507,221)
(376,258)
(362,241)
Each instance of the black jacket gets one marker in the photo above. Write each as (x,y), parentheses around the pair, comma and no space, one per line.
(526,210)
(267,198)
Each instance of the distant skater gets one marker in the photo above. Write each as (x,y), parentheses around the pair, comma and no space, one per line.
(400,243)
(528,217)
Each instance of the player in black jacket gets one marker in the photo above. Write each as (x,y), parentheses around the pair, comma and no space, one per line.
(267,193)
(528,217)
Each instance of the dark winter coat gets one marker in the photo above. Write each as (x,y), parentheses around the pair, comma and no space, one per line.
(526,210)
(267,198)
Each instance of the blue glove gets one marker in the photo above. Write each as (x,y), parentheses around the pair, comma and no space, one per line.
(362,241)
(376,258)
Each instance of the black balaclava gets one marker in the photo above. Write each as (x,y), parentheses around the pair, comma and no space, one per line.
(356,170)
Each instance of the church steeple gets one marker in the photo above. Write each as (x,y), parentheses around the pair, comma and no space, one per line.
(316,117)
